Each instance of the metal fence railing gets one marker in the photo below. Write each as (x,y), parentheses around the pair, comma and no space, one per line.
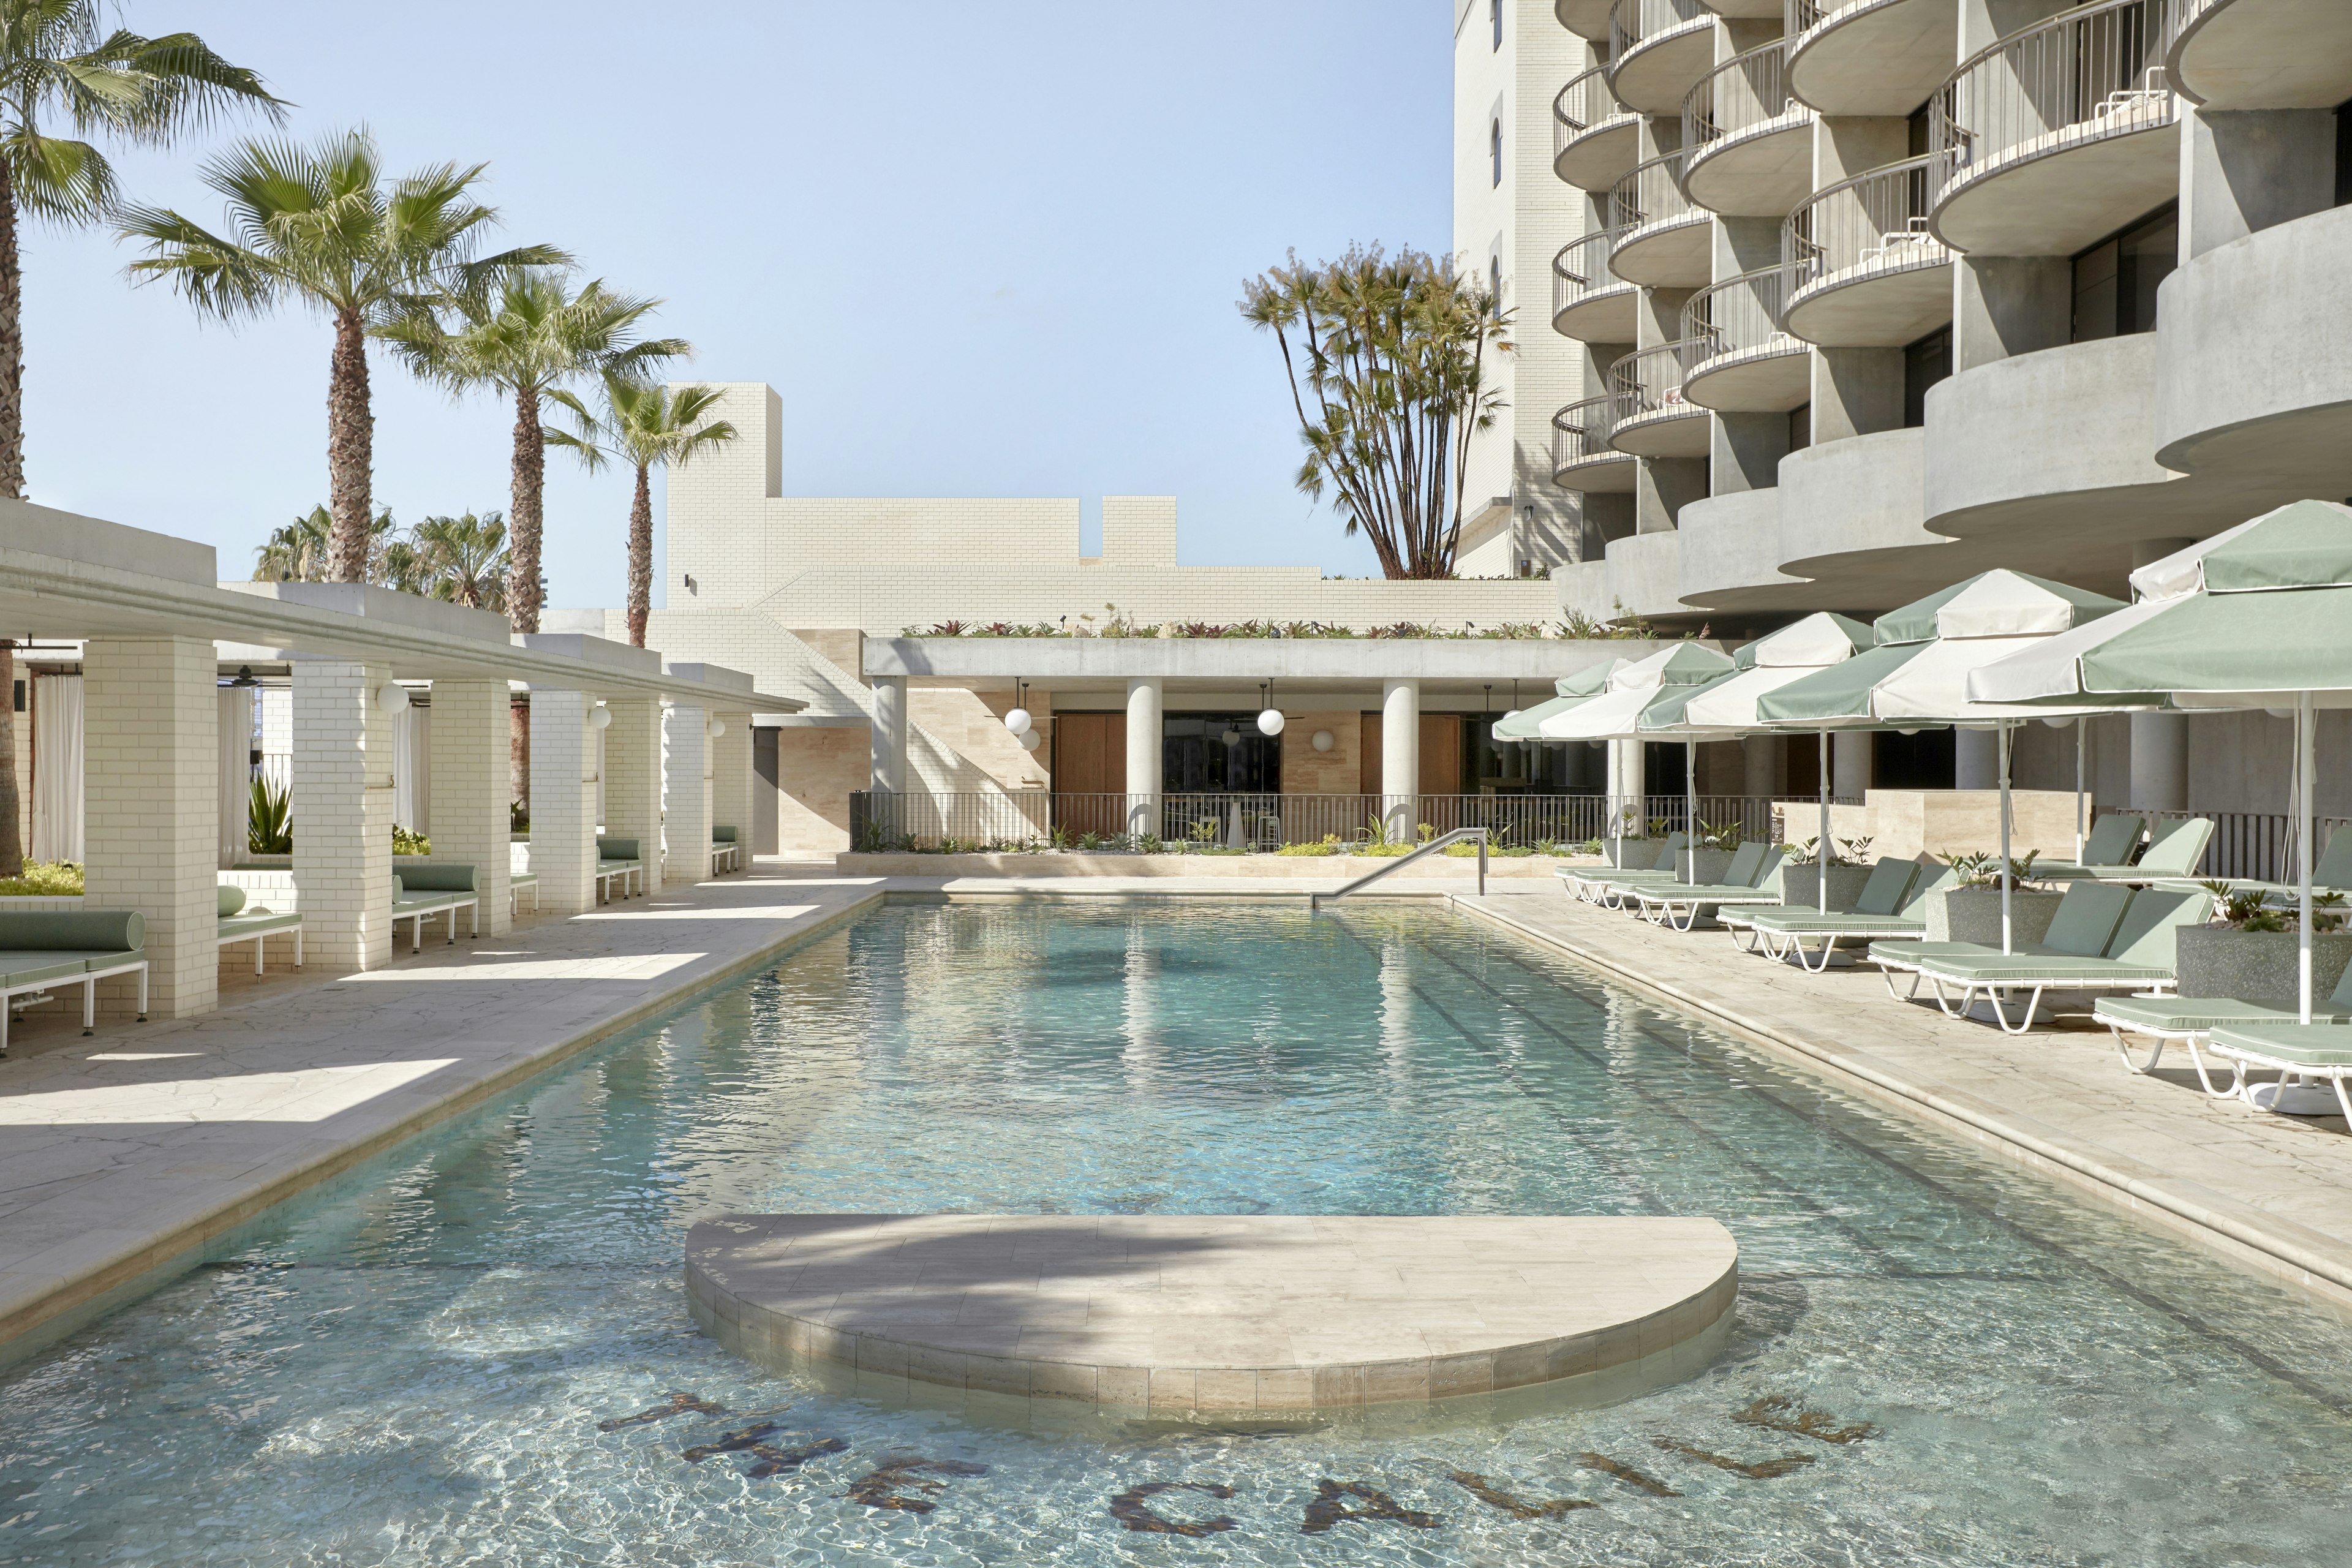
(1737,317)
(1634,22)
(1650,195)
(1584,104)
(1648,382)
(2253,845)
(1579,434)
(1747,90)
(1874,224)
(1580,271)
(2088,73)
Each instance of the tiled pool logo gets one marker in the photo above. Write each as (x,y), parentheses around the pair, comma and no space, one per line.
(910,1483)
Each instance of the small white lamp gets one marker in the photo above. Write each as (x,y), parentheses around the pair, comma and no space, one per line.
(1018,722)
(1270,721)
(1323,740)
(391,697)
(600,717)
(717,727)
(1031,740)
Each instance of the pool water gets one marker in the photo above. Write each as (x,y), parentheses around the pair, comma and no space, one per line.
(434,1363)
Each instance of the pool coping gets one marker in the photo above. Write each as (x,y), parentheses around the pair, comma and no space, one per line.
(2317,1265)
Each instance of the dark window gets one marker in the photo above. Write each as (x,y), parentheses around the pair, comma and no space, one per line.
(1662,767)
(2115,279)
(1217,753)
(1494,8)
(1925,364)
(2343,153)
(19,697)
(1924,760)
(1917,128)
(1499,152)
(1494,285)
(1800,426)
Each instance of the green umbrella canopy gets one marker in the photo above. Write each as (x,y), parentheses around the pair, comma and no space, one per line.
(1727,707)
(1616,714)
(1573,690)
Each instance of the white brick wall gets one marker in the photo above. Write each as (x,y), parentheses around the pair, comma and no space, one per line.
(151,787)
(470,823)
(731,779)
(342,813)
(686,791)
(563,801)
(633,783)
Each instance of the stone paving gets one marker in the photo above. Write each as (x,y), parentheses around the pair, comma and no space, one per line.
(2272,1193)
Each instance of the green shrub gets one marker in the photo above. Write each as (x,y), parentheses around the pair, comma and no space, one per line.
(403,842)
(268,830)
(1324,848)
(44,878)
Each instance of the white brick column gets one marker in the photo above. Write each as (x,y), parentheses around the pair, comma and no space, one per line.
(1399,758)
(470,779)
(686,794)
(151,793)
(731,781)
(342,813)
(562,801)
(633,779)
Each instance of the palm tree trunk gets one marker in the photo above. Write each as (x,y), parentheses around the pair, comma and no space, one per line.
(641,559)
(523,514)
(12,348)
(351,447)
(12,841)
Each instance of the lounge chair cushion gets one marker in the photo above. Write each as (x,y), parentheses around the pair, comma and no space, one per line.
(2181,1015)
(2312,1045)
(2037,968)
(50,931)
(2086,919)
(1807,922)
(231,898)
(2149,932)
(1915,904)
(2110,844)
(260,922)
(1889,880)
(442,877)
(2174,852)
(41,968)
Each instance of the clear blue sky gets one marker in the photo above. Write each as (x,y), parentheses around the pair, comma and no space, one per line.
(979,249)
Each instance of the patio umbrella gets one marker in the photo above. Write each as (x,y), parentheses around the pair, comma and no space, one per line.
(1727,708)
(1526,724)
(1666,675)
(1918,675)
(2259,615)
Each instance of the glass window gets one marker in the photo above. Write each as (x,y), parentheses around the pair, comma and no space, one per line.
(1925,362)
(1218,753)
(1800,426)
(1494,8)
(1494,285)
(2116,280)
(1497,140)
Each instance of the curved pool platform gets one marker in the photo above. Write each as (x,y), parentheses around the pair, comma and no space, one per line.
(1209,1317)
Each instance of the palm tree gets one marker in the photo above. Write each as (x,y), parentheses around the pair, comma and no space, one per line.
(526,336)
(643,425)
(56,64)
(320,225)
(303,551)
(465,559)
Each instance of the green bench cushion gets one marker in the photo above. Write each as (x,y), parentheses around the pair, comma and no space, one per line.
(427,903)
(2314,1045)
(616,849)
(52,930)
(41,968)
(234,927)
(722,835)
(522,879)
(450,877)
(229,899)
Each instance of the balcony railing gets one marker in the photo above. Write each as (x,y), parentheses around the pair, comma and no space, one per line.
(1796,16)
(1579,434)
(1873,222)
(1581,270)
(1632,22)
(1651,193)
(1646,382)
(1584,104)
(1742,93)
(1737,316)
(2084,75)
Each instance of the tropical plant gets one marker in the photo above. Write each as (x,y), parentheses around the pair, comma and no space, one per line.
(405,842)
(303,551)
(44,878)
(522,334)
(267,829)
(2249,909)
(1392,353)
(322,224)
(465,559)
(1718,834)
(1981,869)
(646,426)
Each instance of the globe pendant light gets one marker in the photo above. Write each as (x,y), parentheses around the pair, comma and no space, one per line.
(1269,719)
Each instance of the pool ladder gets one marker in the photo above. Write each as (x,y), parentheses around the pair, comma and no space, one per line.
(1459,835)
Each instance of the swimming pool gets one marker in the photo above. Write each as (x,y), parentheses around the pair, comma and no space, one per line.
(439,1361)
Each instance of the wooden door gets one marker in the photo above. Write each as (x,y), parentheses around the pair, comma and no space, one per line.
(1089,762)
(1441,754)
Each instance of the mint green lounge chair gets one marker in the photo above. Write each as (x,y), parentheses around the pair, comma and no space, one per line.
(617,860)
(1893,907)
(2300,1052)
(2171,856)
(2331,873)
(2191,1019)
(255,925)
(420,893)
(1753,878)
(2108,849)
(2086,919)
(2140,955)
(1590,883)
(724,847)
(42,950)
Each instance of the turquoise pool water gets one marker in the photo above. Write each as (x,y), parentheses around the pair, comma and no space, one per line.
(416,1368)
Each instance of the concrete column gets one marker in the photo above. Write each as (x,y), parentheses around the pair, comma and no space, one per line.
(1856,392)
(2003,306)
(1145,768)
(686,796)
(151,790)
(1976,758)
(470,821)
(730,781)
(1399,757)
(633,778)
(2159,742)
(563,801)
(1627,785)
(1850,763)
(1663,487)
(342,813)
(2242,171)
(890,734)
(1745,451)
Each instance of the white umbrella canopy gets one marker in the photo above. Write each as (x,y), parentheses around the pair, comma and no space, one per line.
(1665,677)
(1727,707)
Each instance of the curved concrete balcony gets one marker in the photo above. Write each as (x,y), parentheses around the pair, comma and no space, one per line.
(1870,57)
(1585,18)
(1644,575)
(1648,415)
(2253,359)
(1747,10)
(1589,302)
(1863,271)
(1851,510)
(1731,553)
(1660,239)
(1657,52)
(1581,456)
(2059,134)
(2263,54)
(1594,138)
(1736,357)
(1748,146)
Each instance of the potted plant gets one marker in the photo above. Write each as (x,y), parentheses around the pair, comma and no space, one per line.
(1970,911)
(2250,948)
(1849,869)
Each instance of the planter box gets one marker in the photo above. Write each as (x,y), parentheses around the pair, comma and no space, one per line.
(1800,886)
(1973,914)
(1316,868)
(2258,965)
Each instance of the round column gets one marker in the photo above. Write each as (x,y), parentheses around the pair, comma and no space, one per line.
(1143,755)
(1399,757)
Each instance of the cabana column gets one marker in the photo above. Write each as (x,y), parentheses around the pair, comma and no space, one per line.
(151,789)
(470,750)
(562,800)
(342,811)
(686,808)
(731,779)
(633,779)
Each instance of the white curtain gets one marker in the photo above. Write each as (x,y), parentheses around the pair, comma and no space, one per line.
(276,705)
(57,768)
(412,779)
(235,770)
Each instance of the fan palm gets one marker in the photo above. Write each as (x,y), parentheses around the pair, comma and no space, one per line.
(465,559)
(303,551)
(525,337)
(322,224)
(644,426)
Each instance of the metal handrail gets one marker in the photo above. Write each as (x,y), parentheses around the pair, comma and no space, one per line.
(1582,439)
(1585,102)
(1650,192)
(1739,315)
(1645,382)
(1875,222)
(1572,278)
(1631,22)
(1745,91)
(1315,900)
(2084,75)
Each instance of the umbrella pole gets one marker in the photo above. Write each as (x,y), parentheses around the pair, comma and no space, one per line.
(1690,806)
(2005,878)
(2081,733)
(1821,844)
(2304,780)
